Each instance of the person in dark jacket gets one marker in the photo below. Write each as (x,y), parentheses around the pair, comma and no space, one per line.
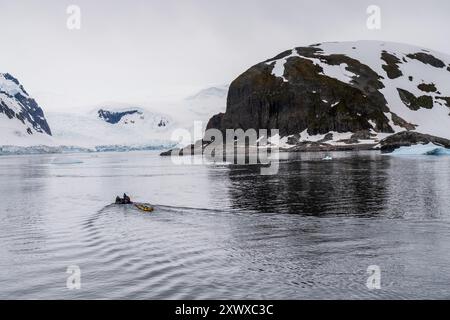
(125,200)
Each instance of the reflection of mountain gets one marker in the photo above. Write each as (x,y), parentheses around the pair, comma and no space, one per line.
(313,187)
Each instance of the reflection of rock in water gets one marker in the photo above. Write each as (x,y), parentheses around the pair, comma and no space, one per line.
(353,185)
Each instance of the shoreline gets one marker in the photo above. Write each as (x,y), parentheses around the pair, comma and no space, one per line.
(189,150)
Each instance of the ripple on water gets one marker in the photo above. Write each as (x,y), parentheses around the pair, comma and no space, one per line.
(340,218)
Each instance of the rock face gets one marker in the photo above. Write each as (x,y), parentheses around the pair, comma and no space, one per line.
(372,87)
(115,117)
(406,139)
(20,115)
(132,116)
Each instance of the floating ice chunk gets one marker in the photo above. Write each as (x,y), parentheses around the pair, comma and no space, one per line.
(421,149)
(62,161)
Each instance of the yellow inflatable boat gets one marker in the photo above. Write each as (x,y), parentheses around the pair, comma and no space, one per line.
(144,207)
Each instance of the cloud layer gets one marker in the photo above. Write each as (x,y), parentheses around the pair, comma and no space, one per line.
(136,51)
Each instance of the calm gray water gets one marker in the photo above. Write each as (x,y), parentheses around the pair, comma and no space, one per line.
(225,232)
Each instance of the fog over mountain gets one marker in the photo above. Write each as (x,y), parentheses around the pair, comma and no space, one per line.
(142,51)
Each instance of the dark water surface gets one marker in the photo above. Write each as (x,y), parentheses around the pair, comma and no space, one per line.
(225,232)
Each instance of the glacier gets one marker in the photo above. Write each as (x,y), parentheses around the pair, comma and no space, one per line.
(43,149)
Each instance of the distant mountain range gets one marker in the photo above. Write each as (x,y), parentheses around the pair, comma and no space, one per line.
(125,125)
(106,127)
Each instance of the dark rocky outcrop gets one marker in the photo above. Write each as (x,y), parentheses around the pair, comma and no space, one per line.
(427,59)
(26,110)
(392,65)
(413,102)
(327,88)
(402,123)
(431,87)
(257,99)
(445,99)
(306,97)
(114,117)
(409,138)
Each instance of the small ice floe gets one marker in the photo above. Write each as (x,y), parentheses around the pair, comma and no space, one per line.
(327,158)
(66,161)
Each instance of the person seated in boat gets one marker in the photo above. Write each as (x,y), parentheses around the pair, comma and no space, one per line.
(125,200)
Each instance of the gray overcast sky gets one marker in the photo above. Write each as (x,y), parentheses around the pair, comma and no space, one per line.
(136,51)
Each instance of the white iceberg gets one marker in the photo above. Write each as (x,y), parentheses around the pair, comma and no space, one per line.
(429,149)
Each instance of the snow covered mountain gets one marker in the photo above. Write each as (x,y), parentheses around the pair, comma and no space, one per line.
(24,128)
(111,126)
(22,121)
(128,126)
(343,92)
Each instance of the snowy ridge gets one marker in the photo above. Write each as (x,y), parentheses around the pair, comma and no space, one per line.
(416,68)
(10,86)
(22,121)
